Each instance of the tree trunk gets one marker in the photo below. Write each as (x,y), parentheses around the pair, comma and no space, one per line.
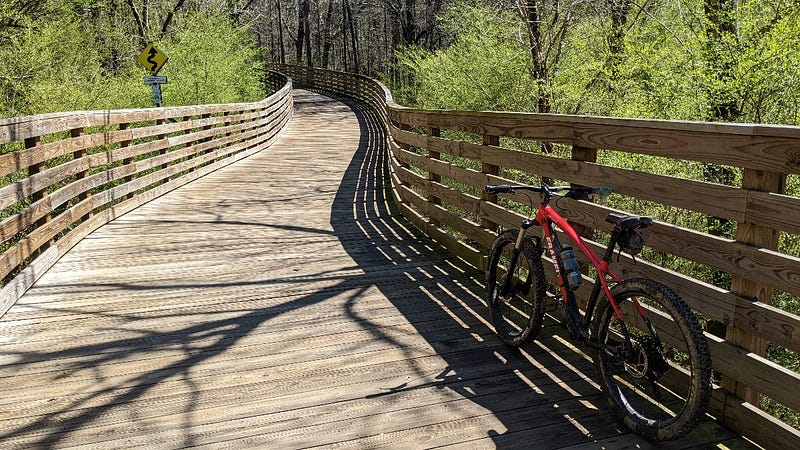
(327,40)
(140,24)
(345,7)
(307,19)
(170,15)
(529,14)
(409,27)
(616,39)
(353,37)
(302,29)
(280,34)
(434,39)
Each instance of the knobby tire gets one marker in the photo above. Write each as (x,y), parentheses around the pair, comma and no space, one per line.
(517,316)
(658,398)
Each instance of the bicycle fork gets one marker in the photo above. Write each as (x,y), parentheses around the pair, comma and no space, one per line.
(512,266)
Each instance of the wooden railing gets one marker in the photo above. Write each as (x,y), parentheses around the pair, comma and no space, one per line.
(66,174)
(437,183)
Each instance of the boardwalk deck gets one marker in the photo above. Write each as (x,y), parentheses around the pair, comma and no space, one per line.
(280,303)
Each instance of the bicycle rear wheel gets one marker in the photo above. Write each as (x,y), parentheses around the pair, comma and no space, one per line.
(517,314)
(660,388)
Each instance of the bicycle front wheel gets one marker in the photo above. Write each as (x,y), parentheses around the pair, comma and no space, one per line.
(658,384)
(516,304)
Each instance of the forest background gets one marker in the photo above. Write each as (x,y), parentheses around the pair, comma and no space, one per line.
(728,60)
(707,60)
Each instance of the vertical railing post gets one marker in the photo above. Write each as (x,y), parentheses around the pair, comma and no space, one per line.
(434,177)
(403,146)
(163,151)
(227,124)
(34,169)
(185,120)
(206,127)
(127,161)
(588,155)
(78,154)
(489,169)
(767,238)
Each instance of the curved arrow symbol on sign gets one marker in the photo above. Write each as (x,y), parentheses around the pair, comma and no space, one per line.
(152,54)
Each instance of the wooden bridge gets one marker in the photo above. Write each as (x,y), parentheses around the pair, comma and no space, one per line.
(286,274)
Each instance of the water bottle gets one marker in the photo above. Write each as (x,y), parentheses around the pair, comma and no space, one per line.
(572,273)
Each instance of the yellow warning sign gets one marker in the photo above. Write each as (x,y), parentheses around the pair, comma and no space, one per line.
(152,59)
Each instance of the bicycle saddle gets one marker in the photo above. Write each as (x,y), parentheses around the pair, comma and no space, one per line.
(626,222)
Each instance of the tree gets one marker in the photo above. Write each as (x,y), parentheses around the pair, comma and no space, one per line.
(142,13)
(280,34)
(327,36)
(721,34)
(303,40)
(619,10)
(529,13)
(349,26)
(484,67)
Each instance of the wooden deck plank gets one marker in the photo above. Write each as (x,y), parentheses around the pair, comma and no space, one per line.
(280,303)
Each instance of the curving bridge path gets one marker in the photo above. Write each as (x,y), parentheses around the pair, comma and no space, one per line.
(281,302)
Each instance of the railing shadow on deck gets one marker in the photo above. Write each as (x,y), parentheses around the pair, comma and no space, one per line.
(441,160)
(544,395)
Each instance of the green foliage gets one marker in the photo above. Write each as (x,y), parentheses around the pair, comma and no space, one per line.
(766,62)
(485,67)
(211,61)
(53,67)
(671,68)
(74,61)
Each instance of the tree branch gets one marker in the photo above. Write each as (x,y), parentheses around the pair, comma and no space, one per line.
(171,14)
(138,19)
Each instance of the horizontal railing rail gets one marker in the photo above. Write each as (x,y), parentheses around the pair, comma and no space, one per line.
(441,160)
(63,175)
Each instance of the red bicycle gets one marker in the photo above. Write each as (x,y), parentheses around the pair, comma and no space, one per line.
(649,350)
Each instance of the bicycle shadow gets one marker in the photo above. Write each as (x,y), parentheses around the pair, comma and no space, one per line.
(544,396)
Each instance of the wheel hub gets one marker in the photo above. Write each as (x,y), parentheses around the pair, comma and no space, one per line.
(637,366)
(646,361)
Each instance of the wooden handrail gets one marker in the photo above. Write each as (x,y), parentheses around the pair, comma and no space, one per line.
(443,198)
(63,175)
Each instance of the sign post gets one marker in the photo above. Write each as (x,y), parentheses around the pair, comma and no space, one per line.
(156,82)
(153,60)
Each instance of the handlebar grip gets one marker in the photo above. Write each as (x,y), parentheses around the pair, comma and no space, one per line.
(500,189)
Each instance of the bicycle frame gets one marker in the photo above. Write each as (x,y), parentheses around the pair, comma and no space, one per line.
(546,217)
